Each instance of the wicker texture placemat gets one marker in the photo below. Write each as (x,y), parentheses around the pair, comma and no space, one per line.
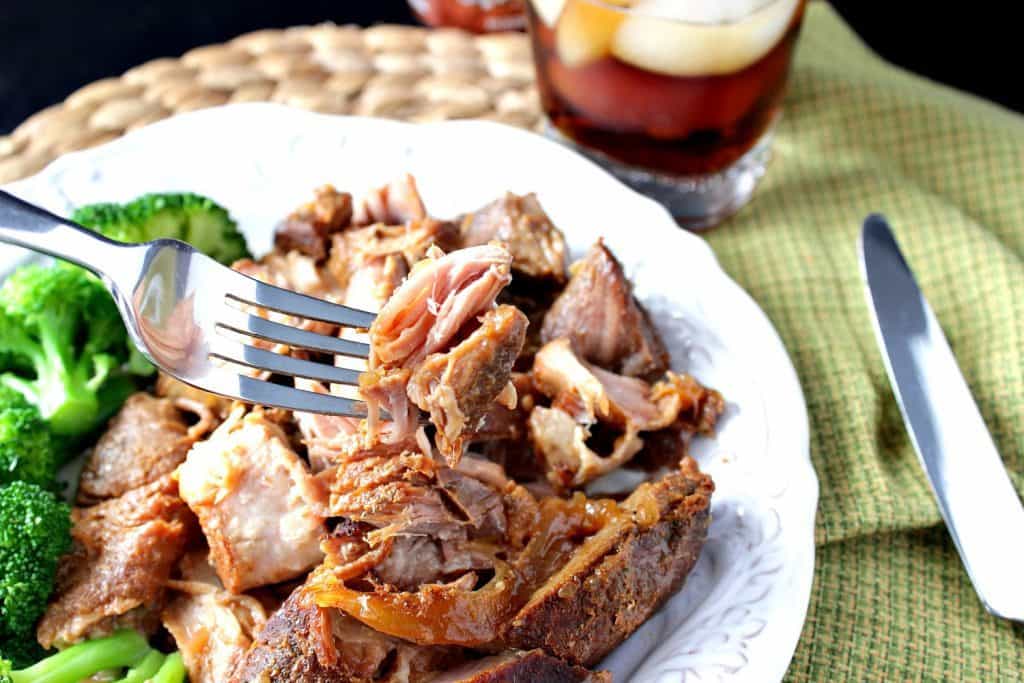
(400,72)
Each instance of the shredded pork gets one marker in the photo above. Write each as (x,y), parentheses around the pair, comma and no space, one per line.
(446,536)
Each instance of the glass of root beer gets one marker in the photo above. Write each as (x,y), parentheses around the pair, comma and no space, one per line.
(678,98)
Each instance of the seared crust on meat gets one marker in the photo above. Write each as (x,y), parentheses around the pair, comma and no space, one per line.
(534,666)
(148,438)
(286,649)
(124,550)
(607,590)
(303,643)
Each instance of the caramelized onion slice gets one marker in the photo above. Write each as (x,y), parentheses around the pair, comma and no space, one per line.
(447,614)
(436,614)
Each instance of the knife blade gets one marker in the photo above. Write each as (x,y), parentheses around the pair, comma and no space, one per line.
(975,496)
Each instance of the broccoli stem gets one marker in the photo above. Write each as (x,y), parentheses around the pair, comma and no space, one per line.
(67,402)
(22,386)
(144,670)
(124,648)
(171,671)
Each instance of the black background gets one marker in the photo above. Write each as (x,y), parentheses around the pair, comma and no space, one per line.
(49,48)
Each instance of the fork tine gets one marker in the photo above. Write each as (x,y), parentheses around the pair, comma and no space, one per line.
(260,392)
(262,359)
(292,303)
(261,328)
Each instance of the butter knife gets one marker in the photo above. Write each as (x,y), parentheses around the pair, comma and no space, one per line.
(977,501)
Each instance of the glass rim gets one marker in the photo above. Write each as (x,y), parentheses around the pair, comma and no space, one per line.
(630,10)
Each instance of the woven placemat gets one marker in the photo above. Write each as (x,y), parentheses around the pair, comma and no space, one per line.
(401,72)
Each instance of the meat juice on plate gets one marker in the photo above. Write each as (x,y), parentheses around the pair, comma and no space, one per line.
(679,88)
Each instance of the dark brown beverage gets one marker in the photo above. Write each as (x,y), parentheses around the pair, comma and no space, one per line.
(674,97)
(479,16)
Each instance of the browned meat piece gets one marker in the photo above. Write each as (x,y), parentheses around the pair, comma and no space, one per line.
(409,521)
(211,627)
(308,228)
(416,560)
(371,262)
(397,202)
(123,553)
(537,246)
(588,401)
(147,439)
(259,506)
(394,494)
(534,298)
(476,502)
(593,410)
(292,270)
(425,315)
(622,574)
(168,387)
(413,494)
(562,444)
(502,434)
(602,320)
(303,643)
(565,547)
(331,440)
(700,414)
(371,284)
(521,667)
(354,248)
(458,387)
(591,394)
(499,422)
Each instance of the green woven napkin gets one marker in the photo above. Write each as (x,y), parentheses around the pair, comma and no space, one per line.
(890,599)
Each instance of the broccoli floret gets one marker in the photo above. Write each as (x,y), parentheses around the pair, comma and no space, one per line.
(125,648)
(24,653)
(35,530)
(61,322)
(188,217)
(111,220)
(27,451)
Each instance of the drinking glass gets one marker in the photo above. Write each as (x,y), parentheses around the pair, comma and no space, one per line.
(678,98)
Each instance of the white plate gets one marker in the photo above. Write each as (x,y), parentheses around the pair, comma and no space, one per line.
(740,614)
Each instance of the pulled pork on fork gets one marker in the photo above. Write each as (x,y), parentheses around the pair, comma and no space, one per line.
(440,344)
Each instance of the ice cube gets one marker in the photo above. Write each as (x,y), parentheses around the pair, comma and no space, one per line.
(701,37)
(548,10)
(585,31)
(701,11)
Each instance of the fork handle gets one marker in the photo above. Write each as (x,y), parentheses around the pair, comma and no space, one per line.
(27,225)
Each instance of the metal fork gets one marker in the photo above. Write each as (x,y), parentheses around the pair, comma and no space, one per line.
(186,312)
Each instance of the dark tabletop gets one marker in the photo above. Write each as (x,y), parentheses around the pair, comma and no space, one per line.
(49,48)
